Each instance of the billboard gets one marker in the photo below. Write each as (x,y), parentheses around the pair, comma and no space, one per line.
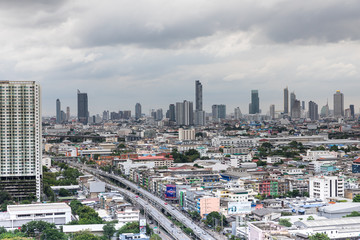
(142,225)
(170,191)
(239,208)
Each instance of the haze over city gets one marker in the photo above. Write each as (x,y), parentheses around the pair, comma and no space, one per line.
(123,52)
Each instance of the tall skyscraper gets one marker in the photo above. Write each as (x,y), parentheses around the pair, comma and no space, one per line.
(325,112)
(218,112)
(296,109)
(171,115)
(272,111)
(20,142)
(67,114)
(199,113)
(159,114)
(184,113)
(352,111)
(237,113)
(254,102)
(286,100)
(58,111)
(338,104)
(137,111)
(83,111)
(292,100)
(106,115)
(313,111)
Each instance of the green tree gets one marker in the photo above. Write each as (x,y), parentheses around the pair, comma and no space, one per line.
(109,230)
(75,205)
(310,218)
(36,228)
(214,218)
(2,230)
(319,236)
(353,214)
(195,215)
(188,231)
(53,234)
(132,227)
(356,198)
(64,192)
(85,235)
(285,222)
(155,237)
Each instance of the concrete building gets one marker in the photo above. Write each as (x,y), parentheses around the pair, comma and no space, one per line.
(356,166)
(237,113)
(17,215)
(186,134)
(326,187)
(255,103)
(199,113)
(272,111)
(83,111)
(137,111)
(338,104)
(313,111)
(184,113)
(218,112)
(286,100)
(20,148)
(58,111)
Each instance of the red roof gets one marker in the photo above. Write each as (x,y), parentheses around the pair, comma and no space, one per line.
(357,160)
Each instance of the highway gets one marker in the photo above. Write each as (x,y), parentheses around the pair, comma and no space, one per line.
(198,231)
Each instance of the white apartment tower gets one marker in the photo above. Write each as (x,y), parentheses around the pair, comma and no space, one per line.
(324,187)
(20,139)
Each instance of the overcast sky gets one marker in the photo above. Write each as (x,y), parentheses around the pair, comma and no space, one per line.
(123,52)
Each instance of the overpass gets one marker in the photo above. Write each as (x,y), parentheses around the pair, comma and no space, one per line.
(156,201)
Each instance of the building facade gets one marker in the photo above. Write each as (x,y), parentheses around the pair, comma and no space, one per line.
(20,141)
(83,111)
(338,104)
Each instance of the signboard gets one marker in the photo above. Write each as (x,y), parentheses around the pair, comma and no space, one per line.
(170,191)
(142,225)
(239,208)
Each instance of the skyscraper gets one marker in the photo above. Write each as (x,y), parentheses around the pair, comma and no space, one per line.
(296,109)
(313,111)
(172,115)
(338,104)
(199,113)
(272,111)
(58,111)
(67,114)
(20,142)
(218,112)
(286,100)
(352,111)
(137,111)
(184,113)
(254,102)
(237,113)
(83,111)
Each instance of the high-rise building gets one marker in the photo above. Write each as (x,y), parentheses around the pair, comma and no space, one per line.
(296,109)
(199,113)
(338,104)
(303,105)
(58,111)
(184,113)
(292,100)
(352,111)
(20,142)
(272,111)
(218,112)
(171,115)
(313,111)
(106,115)
(286,100)
(325,187)
(159,114)
(325,111)
(67,114)
(255,105)
(237,113)
(137,111)
(126,114)
(83,111)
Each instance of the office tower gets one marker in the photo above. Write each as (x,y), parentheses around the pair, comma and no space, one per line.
(63,116)
(67,114)
(58,111)
(106,115)
(272,111)
(347,113)
(338,104)
(237,113)
(199,113)
(296,109)
(325,112)
(352,111)
(286,100)
(83,111)
(159,114)
(184,113)
(126,114)
(292,100)
(137,111)
(198,96)
(171,115)
(303,105)
(254,107)
(20,142)
(218,112)
(313,111)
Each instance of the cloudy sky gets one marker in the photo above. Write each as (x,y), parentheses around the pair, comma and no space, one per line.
(122,52)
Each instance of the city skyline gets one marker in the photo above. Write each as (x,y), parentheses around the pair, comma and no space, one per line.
(63,48)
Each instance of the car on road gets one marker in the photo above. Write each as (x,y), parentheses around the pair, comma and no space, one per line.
(166,203)
(137,196)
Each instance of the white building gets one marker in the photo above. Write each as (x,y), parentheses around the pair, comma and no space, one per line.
(319,155)
(186,134)
(233,141)
(127,215)
(17,215)
(326,187)
(20,142)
